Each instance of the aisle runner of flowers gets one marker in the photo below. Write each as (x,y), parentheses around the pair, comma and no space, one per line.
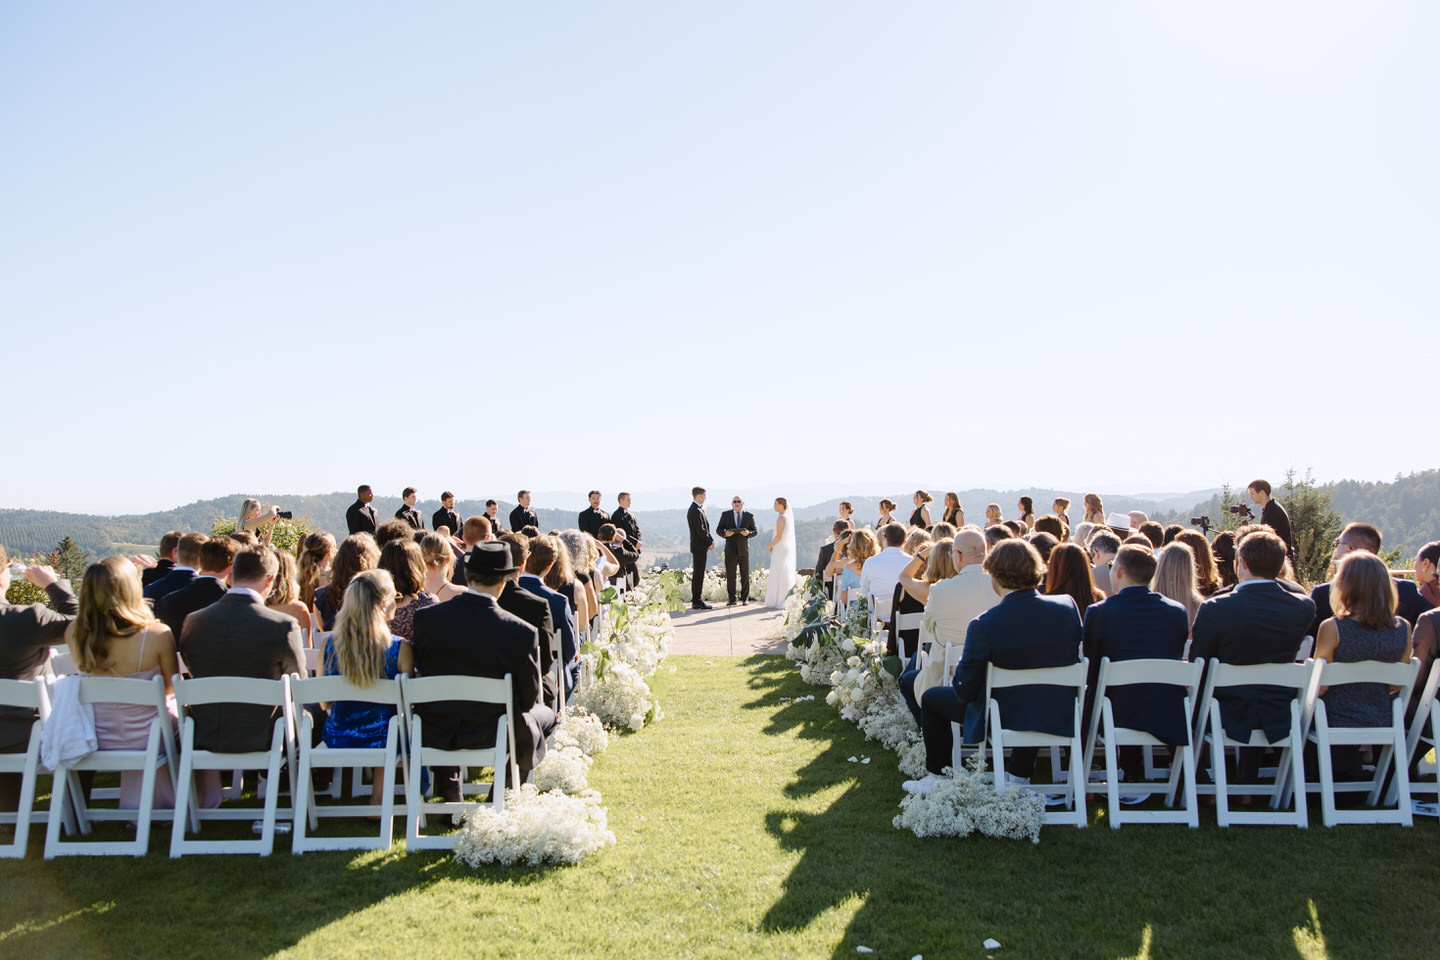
(557,818)
(836,648)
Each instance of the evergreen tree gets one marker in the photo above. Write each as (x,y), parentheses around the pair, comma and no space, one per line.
(69,560)
(1315,525)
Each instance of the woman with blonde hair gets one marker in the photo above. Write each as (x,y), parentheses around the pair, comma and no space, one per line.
(954,514)
(861,547)
(1175,577)
(1207,572)
(921,516)
(255,518)
(285,594)
(356,552)
(364,651)
(317,551)
(1094,508)
(993,515)
(439,567)
(929,566)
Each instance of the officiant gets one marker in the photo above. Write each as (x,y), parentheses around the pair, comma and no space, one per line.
(737,526)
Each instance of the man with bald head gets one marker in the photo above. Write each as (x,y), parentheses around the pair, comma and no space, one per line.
(952,604)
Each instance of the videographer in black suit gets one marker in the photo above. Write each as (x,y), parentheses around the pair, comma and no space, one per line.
(736,527)
(1273,514)
(700,544)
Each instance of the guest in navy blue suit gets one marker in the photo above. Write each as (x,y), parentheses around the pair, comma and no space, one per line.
(1024,630)
(187,557)
(1136,623)
(541,556)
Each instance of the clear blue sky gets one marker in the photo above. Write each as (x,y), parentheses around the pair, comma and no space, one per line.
(293,247)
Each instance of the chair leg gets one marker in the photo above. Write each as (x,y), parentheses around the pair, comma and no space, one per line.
(1192,797)
(1327,781)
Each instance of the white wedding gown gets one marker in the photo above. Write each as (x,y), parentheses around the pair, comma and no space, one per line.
(782,565)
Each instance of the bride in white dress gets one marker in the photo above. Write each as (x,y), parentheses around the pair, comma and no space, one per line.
(782,556)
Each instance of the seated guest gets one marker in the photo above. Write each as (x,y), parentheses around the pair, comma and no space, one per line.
(581,547)
(1364,627)
(881,572)
(1043,544)
(187,557)
(1207,573)
(27,632)
(1258,622)
(1425,573)
(1153,532)
(405,563)
(1016,527)
(541,555)
(356,552)
(827,553)
(1136,623)
(1363,536)
(1081,534)
(1103,547)
(1137,519)
(1426,646)
(532,608)
(1224,550)
(1051,524)
(285,595)
(626,556)
(216,555)
(849,561)
(903,601)
(238,636)
(475,530)
(1171,532)
(1069,573)
(950,604)
(317,552)
(364,651)
(1175,578)
(166,563)
(392,530)
(997,532)
(439,565)
(244,538)
(1023,631)
(444,644)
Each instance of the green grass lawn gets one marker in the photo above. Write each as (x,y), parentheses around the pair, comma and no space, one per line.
(744,832)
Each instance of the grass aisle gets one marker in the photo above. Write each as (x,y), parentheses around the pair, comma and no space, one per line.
(744,831)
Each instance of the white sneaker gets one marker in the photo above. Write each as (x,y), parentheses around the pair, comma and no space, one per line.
(921,787)
(1130,799)
(1056,799)
(1013,781)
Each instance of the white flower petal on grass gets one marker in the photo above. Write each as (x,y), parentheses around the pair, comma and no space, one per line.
(991,944)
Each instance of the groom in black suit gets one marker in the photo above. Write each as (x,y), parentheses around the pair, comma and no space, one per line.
(700,543)
(737,526)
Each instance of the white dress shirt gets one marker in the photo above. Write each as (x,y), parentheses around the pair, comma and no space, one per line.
(881,572)
(954,602)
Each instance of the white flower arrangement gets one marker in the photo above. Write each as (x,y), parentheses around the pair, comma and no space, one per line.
(615,692)
(967,803)
(564,768)
(535,828)
(582,730)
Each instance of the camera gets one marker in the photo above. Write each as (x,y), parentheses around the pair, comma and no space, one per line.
(1203,522)
(285,514)
(17,569)
(1242,510)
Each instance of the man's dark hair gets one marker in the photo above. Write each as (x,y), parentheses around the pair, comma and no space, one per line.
(1051,524)
(1044,544)
(447,495)
(1015,565)
(1172,531)
(607,532)
(491,503)
(622,493)
(997,532)
(519,547)
(1015,527)
(245,538)
(521,494)
(407,491)
(542,554)
(1262,485)
(169,542)
(894,534)
(1430,552)
(392,530)
(187,551)
(1264,553)
(840,526)
(1138,562)
(530,530)
(696,491)
(1153,532)
(1139,538)
(1362,536)
(217,553)
(593,493)
(363,488)
(254,563)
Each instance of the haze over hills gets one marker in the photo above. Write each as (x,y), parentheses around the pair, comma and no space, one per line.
(1406,510)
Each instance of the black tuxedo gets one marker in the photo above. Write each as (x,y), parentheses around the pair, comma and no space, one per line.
(150,574)
(173,608)
(472,636)
(592,519)
(737,550)
(625,555)
(1273,515)
(238,636)
(1412,605)
(700,544)
(446,518)
(178,578)
(411,516)
(625,522)
(495,527)
(522,517)
(534,610)
(360,518)
(827,553)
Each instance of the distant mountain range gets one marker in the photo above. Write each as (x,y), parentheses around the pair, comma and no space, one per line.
(1407,511)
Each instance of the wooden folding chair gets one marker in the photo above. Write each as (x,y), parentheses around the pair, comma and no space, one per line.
(499,757)
(1000,737)
(24,695)
(307,808)
(1209,729)
(1393,757)
(1123,673)
(154,761)
(209,691)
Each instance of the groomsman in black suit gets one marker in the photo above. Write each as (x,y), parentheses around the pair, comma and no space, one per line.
(446,515)
(407,511)
(700,544)
(736,527)
(522,516)
(592,518)
(492,513)
(360,518)
(626,523)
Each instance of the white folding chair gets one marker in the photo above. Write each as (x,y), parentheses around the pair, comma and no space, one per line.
(1000,737)
(314,663)
(958,750)
(499,757)
(61,663)
(1307,647)
(557,667)
(1393,757)
(1427,711)
(906,622)
(154,761)
(209,691)
(1209,729)
(307,809)
(880,611)
(24,695)
(1123,673)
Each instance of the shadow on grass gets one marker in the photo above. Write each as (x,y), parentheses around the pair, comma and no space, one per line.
(1145,890)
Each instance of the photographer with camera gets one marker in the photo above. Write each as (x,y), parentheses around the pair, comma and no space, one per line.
(259,519)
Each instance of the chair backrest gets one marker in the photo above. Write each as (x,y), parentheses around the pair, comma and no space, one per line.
(909,621)
(1401,673)
(138,693)
(61,662)
(315,661)
(1121,673)
(203,690)
(457,687)
(1307,647)
(1294,675)
(24,694)
(1070,675)
(330,689)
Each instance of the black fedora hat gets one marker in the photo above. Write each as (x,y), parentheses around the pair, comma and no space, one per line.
(490,557)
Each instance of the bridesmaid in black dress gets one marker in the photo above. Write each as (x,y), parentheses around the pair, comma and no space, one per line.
(954,514)
(921,516)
